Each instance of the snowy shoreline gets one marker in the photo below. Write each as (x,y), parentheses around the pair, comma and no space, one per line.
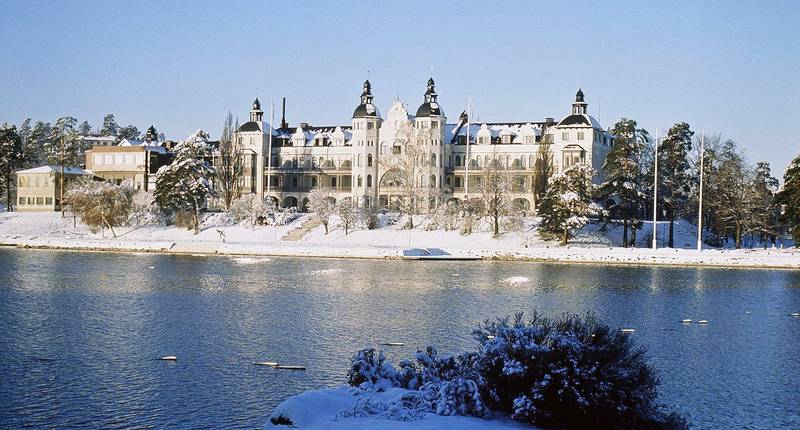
(50,231)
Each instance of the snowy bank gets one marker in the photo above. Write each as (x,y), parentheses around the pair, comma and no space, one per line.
(332,409)
(591,245)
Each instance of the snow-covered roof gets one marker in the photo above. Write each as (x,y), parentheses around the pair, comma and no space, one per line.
(517,130)
(579,120)
(148,146)
(57,169)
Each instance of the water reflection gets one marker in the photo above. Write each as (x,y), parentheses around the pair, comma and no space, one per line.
(82,331)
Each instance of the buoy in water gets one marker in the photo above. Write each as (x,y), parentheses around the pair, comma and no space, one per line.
(489,337)
(795,314)
(628,330)
(686,321)
(393,344)
(702,322)
(168,358)
(265,363)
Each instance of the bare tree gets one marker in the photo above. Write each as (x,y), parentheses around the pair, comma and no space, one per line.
(542,169)
(495,186)
(347,213)
(231,164)
(322,205)
(101,204)
(408,170)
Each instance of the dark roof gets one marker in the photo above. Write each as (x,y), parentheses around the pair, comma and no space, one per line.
(365,111)
(250,126)
(428,109)
(575,120)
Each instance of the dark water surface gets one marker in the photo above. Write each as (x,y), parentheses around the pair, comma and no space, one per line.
(79,332)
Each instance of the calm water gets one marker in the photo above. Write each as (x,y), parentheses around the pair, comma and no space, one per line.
(79,332)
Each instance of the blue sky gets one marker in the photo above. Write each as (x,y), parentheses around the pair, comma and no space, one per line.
(725,67)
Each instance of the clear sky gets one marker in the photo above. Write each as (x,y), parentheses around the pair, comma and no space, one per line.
(724,67)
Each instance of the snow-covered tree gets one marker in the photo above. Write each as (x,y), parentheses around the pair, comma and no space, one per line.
(84,128)
(674,176)
(624,176)
(252,210)
(130,132)
(63,145)
(100,204)
(789,198)
(230,164)
(322,205)
(110,126)
(408,170)
(495,188)
(347,214)
(11,158)
(567,204)
(185,185)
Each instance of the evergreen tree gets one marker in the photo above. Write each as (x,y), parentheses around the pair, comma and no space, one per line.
(674,177)
(63,146)
(568,201)
(34,146)
(184,186)
(110,127)
(624,176)
(789,198)
(765,211)
(129,132)
(85,129)
(11,158)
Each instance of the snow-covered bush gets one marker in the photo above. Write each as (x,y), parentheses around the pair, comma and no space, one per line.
(368,217)
(251,210)
(144,211)
(569,372)
(100,204)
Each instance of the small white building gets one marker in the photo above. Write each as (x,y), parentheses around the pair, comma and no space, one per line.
(39,189)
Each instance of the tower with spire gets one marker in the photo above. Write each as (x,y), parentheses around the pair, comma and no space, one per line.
(366,124)
(579,106)
(256,114)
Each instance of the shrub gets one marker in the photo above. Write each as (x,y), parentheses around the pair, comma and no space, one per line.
(100,204)
(569,372)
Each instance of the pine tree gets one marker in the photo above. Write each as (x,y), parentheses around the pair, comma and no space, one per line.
(568,201)
(624,176)
(11,158)
(675,180)
(789,198)
(63,146)
(110,127)
(34,146)
(129,132)
(85,129)
(184,186)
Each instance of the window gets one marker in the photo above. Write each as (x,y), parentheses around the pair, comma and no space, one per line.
(358,163)
(108,159)
(435,124)
(22,200)
(529,140)
(98,159)
(580,135)
(369,163)
(358,181)
(571,158)
(333,182)
(458,182)
(48,201)
(119,159)
(483,140)
(433,160)
(507,139)
(369,180)
(313,181)
(565,135)
(40,201)
(294,181)
(370,125)
(458,160)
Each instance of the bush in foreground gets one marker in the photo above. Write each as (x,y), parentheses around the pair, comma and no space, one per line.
(570,372)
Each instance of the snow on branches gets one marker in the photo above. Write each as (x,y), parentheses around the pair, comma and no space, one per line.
(567,204)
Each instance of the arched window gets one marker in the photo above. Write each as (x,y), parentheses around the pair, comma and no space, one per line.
(433,181)
(369,163)
(369,180)
(358,182)
(486,161)
(458,160)
(433,160)
(530,161)
(321,161)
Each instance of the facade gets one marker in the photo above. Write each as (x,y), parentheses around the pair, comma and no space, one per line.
(360,160)
(39,189)
(132,161)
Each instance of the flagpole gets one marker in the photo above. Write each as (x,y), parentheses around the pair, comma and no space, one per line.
(700,209)
(655,195)
(467,161)
(269,146)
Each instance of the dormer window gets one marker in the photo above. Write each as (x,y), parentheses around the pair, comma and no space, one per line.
(506,138)
(565,135)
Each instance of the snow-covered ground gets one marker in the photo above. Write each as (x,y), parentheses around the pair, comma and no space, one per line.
(592,244)
(329,409)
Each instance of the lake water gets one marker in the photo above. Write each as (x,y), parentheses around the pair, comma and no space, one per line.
(80,332)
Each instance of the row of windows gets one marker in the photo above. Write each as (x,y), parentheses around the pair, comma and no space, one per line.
(119,159)
(33,181)
(35,201)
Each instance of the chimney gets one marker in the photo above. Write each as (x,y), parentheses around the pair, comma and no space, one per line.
(283,114)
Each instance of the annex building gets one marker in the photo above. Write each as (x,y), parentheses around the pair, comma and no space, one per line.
(360,160)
